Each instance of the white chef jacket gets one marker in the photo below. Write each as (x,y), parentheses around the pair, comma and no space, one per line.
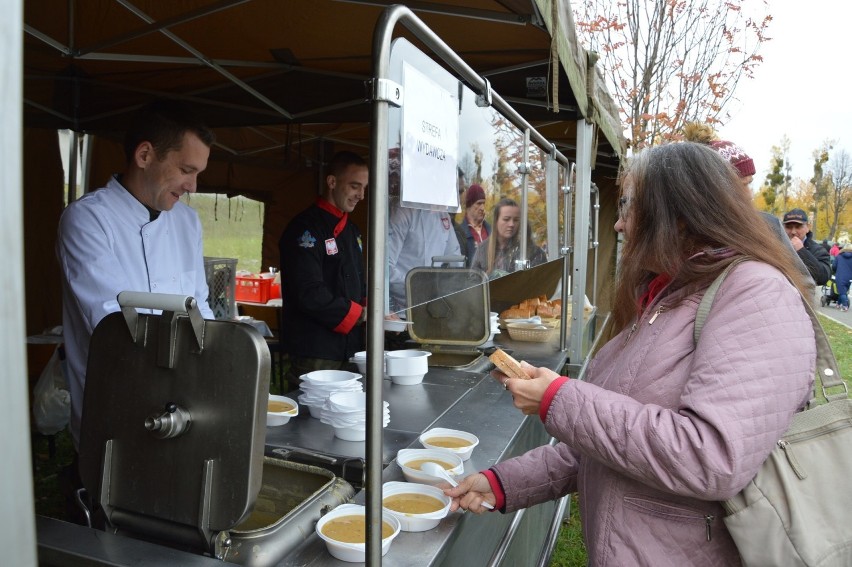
(414,237)
(108,244)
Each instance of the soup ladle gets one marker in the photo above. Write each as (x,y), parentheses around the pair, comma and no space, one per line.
(435,469)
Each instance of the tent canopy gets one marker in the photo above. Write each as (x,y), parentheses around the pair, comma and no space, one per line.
(283,83)
(276,77)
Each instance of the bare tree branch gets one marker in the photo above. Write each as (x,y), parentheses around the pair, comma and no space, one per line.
(668,62)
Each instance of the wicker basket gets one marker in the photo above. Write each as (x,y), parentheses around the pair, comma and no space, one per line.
(530,332)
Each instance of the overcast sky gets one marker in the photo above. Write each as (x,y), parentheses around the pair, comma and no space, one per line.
(802,88)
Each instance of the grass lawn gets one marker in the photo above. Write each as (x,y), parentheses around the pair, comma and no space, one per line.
(233,228)
(570,550)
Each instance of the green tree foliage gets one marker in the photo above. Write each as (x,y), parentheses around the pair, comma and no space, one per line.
(778,177)
(819,180)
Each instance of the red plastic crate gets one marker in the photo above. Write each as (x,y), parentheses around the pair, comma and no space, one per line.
(256,290)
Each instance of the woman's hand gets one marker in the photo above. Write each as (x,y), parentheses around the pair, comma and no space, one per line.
(470,493)
(527,394)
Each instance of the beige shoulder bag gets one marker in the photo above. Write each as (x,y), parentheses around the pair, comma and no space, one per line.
(798,509)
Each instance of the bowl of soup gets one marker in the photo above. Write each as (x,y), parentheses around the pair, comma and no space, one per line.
(459,442)
(418,507)
(344,532)
(279,410)
(410,461)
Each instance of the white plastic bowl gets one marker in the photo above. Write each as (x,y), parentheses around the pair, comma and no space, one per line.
(463,452)
(354,552)
(407,367)
(275,418)
(320,377)
(348,401)
(416,475)
(408,380)
(397,326)
(350,433)
(416,522)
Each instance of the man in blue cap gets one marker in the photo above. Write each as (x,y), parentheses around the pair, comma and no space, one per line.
(812,254)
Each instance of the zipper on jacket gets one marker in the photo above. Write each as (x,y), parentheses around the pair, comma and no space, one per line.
(632,330)
(708,520)
(655,315)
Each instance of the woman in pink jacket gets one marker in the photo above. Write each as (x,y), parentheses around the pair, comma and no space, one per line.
(662,428)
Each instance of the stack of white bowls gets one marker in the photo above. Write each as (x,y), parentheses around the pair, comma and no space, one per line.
(360,360)
(407,367)
(347,413)
(317,386)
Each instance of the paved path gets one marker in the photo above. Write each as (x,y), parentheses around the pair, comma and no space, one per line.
(842,317)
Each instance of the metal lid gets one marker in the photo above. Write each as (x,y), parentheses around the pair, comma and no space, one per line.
(450,306)
(173,426)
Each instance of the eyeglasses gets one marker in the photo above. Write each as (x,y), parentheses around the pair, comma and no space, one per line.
(623,207)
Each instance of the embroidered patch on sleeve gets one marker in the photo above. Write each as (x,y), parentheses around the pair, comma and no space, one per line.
(306,240)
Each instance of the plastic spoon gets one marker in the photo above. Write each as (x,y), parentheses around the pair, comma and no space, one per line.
(434,469)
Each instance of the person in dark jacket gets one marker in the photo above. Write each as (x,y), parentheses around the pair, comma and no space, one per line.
(473,230)
(323,284)
(844,276)
(811,252)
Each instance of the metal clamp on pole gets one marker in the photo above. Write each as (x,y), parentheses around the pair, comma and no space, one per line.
(388,91)
(484,99)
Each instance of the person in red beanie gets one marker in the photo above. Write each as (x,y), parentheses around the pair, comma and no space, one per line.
(744,166)
(473,229)
(738,158)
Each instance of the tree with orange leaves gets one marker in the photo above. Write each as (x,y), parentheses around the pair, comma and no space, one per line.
(669,62)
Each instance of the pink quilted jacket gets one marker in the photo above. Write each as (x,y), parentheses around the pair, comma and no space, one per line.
(663,429)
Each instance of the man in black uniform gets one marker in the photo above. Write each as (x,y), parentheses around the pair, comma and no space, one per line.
(813,255)
(323,285)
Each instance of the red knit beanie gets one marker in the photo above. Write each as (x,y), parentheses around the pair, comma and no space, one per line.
(735,155)
(474,193)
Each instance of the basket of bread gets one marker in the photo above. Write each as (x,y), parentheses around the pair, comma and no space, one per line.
(533,320)
(531,332)
(540,306)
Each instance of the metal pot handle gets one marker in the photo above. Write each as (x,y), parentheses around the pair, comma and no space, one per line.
(171,305)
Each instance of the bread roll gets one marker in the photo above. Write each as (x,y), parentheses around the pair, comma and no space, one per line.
(547,311)
(508,365)
(518,313)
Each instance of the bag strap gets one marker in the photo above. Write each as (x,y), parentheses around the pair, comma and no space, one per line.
(827,374)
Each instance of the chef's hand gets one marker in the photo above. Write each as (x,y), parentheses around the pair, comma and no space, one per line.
(393,317)
(527,394)
(470,493)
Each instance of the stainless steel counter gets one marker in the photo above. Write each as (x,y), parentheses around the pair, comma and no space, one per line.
(471,401)
(468,400)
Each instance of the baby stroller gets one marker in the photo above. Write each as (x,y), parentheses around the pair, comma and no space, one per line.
(829,293)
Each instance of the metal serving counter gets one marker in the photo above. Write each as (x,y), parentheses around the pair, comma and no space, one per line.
(467,400)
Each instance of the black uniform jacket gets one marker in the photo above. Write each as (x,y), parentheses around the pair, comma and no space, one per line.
(323,285)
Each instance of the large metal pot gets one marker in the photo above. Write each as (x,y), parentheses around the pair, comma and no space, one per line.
(173,434)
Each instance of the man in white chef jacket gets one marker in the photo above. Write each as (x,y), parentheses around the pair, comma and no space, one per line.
(134,234)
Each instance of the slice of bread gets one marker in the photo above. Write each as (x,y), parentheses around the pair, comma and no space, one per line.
(516,313)
(508,365)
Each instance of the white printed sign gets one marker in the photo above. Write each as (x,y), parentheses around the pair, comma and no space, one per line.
(430,143)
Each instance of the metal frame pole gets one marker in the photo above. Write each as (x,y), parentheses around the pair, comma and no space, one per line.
(581,238)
